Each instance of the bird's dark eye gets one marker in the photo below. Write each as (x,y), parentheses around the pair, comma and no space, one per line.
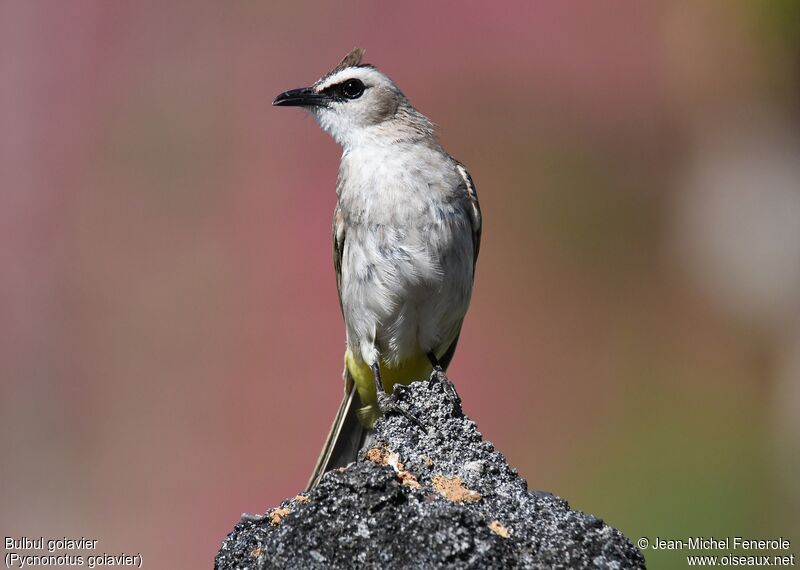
(353,88)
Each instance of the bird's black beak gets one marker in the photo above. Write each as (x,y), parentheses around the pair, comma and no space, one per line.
(305,97)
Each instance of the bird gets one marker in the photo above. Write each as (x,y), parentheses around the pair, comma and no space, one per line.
(406,236)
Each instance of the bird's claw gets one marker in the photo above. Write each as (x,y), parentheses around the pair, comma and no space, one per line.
(439,377)
(388,406)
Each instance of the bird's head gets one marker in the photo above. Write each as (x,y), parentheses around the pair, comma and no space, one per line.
(355,103)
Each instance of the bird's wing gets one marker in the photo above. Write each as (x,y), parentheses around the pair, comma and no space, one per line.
(338,249)
(347,433)
(467,186)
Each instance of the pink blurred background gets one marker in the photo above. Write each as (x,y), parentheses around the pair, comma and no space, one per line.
(170,340)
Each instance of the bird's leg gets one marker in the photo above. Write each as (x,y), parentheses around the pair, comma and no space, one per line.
(438,376)
(385,404)
(438,373)
(435,362)
(376,373)
(380,392)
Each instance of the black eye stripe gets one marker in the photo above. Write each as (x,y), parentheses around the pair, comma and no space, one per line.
(346,90)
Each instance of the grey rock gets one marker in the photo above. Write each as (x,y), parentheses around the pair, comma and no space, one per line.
(438,497)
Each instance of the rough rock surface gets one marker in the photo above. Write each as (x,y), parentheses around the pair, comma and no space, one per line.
(434,498)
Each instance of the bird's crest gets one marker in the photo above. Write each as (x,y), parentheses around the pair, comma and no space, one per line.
(352,59)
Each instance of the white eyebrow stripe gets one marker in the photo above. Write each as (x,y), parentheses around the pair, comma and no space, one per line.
(362,73)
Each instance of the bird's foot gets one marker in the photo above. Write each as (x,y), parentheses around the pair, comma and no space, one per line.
(389,406)
(439,377)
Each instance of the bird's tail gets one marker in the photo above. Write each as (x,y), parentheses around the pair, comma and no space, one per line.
(347,435)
